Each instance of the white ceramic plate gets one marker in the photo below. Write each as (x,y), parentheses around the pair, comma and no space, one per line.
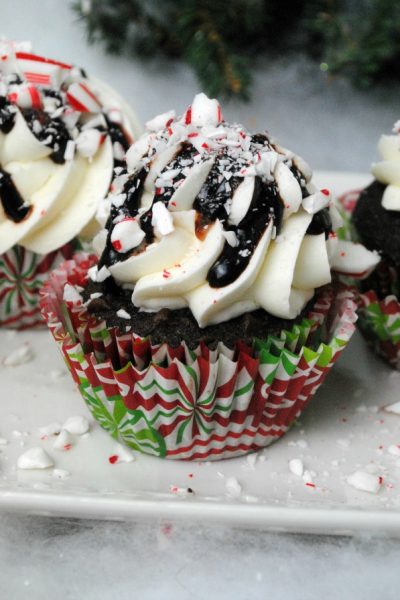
(344,429)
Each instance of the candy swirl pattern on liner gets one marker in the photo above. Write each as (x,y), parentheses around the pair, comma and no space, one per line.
(61,135)
(210,217)
(387,170)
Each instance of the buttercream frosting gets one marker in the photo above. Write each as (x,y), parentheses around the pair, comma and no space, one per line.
(61,134)
(210,217)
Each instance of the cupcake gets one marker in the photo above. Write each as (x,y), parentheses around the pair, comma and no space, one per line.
(374,219)
(61,135)
(209,317)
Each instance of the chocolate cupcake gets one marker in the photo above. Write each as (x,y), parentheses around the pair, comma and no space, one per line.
(61,135)
(375,221)
(210,318)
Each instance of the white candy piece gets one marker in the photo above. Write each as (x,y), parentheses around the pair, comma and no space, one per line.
(126,235)
(124,454)
(77,425)
(71,294)
(366,482)
(160,121)
(19,356)
(51,429)
(204,111)
(316,202)
(98,275)
(296,467)
(123,314)
(35,458)
(61,474)
(394,449)
(63,441)
(161,220)
(267,164)
(353,259)
(88,142)
(393,408)
(233,487)
(99,241)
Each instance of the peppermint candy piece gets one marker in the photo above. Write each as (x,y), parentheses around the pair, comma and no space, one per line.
(126,235)
(26,96)
(40,70)
(317,201)
(88,142)
(82,98)
(161,121)
(203,111)
(366,482)
(162,219)
(35,458)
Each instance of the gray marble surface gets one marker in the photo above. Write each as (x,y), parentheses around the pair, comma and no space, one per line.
(333,127)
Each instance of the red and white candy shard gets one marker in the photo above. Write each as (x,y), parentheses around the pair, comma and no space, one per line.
(40,70)
(25,96)
(203,111)
(160,121)
(126,235)
(82,98)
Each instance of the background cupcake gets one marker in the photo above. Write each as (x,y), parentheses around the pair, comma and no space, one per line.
(209,321)
(61,134)
(374,219)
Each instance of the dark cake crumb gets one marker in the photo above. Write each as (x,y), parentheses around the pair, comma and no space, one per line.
(174,326)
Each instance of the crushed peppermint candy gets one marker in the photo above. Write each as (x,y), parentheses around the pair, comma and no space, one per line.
(123,314)
(20,356)
(233,487)
(296,467)
(366,482)
(126,235)
(35,458)
(77,425)
(393,408)
(64,441)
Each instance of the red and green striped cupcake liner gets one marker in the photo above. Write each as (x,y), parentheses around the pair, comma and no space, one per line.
(379,318)
(202,404)
(22,274)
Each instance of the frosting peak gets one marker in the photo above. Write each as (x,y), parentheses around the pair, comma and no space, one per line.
(211,217)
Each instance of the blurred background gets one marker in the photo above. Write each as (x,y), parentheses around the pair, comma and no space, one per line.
(317,76)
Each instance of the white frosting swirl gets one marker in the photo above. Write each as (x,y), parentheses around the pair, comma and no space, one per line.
(227,221)
(387,171)
(41,100)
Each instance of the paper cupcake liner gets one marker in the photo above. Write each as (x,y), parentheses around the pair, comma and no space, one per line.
(379,314)
(180,403)
(22,274)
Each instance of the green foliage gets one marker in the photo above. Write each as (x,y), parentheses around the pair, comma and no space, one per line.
(220,39)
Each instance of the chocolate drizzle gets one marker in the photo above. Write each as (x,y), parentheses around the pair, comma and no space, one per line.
(265,205)
(7,115)
(212,203)
(133,189)
(52,132)
(13,203)
(321,223)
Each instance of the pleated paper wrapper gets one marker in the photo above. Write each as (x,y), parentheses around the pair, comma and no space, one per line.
(22,274)
(379,315)
(201,404)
